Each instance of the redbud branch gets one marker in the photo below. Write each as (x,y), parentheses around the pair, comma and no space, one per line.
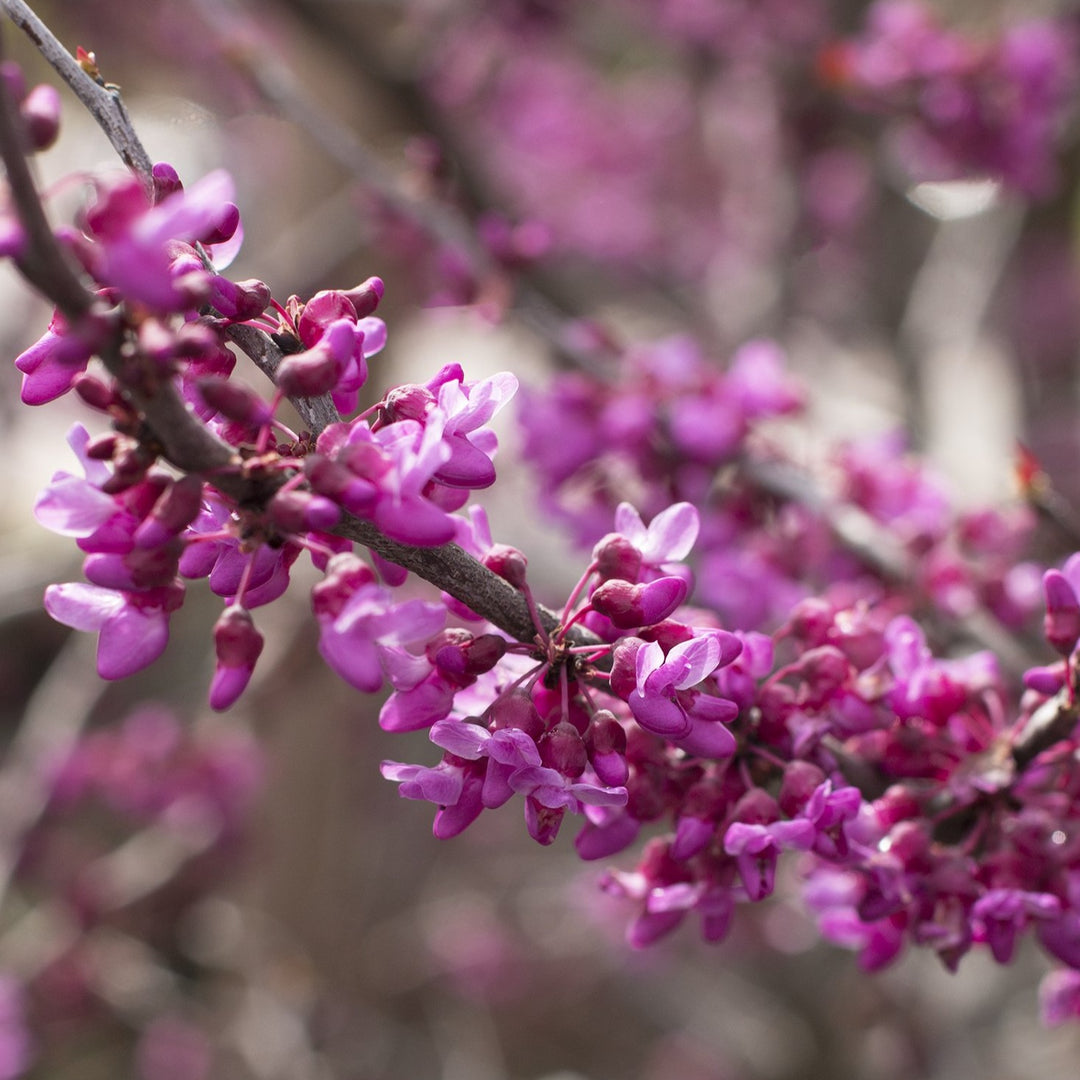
(192,448)
(104,104)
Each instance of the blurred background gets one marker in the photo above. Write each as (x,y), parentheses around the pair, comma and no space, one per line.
(189,896)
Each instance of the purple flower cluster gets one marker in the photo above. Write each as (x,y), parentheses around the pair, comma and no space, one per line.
(965,108)
(405,465)
(550,722)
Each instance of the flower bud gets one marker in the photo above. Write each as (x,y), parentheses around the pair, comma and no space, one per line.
(238,645)
(239,300)
(617,557)
(563,750)
(176,508)
(1061,624)
(300,511)
(166,181)
(605,739)
(509,563)
(308,374)
(408,402)
(102,447)
(40,111)
(516,710)
(235,401)
(624,667)
(94,392)
(365,297)
(629,606)
(226,225)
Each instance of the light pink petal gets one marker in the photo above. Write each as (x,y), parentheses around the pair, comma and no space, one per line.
(671,534)
(82,606)
(72,507)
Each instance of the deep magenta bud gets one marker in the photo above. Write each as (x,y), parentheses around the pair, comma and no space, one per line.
(94,392)
(102,447)
(176,508)
(166,181)
(227,224)
(624,667)
(516,710)
(309,374)
(1061,624)
(629,606)
(801,780)
(509,563)
(617,557)
(365,297)
(238,645)
(41,113)
(300,511)
(605,739)
(235,401)
(240,300)
(563,750)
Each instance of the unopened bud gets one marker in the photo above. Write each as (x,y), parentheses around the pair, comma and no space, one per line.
(41,114)
(509,563)
(516,710)
(166,181)
(300,511)
(238,645)
(365,297)
(563,750)
(308,374)
(176,508)
(94,392)
(624,667)
(617,557)
(227,223)
(1061,624)
(628,606)
(235,401)
(605,739)
(239,300)
(409,402)
(102,447)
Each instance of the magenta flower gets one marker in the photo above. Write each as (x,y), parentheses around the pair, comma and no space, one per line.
(134,238)
(75,505)
(133,627)
(665,541)
(656,702)
(50,365)
(352,638)
(757,848)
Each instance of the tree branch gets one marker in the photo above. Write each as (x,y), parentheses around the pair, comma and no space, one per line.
(102,102)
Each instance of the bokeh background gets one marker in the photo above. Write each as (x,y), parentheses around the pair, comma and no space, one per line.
(242,896)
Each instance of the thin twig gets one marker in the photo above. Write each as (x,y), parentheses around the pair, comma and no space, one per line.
(102,102)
